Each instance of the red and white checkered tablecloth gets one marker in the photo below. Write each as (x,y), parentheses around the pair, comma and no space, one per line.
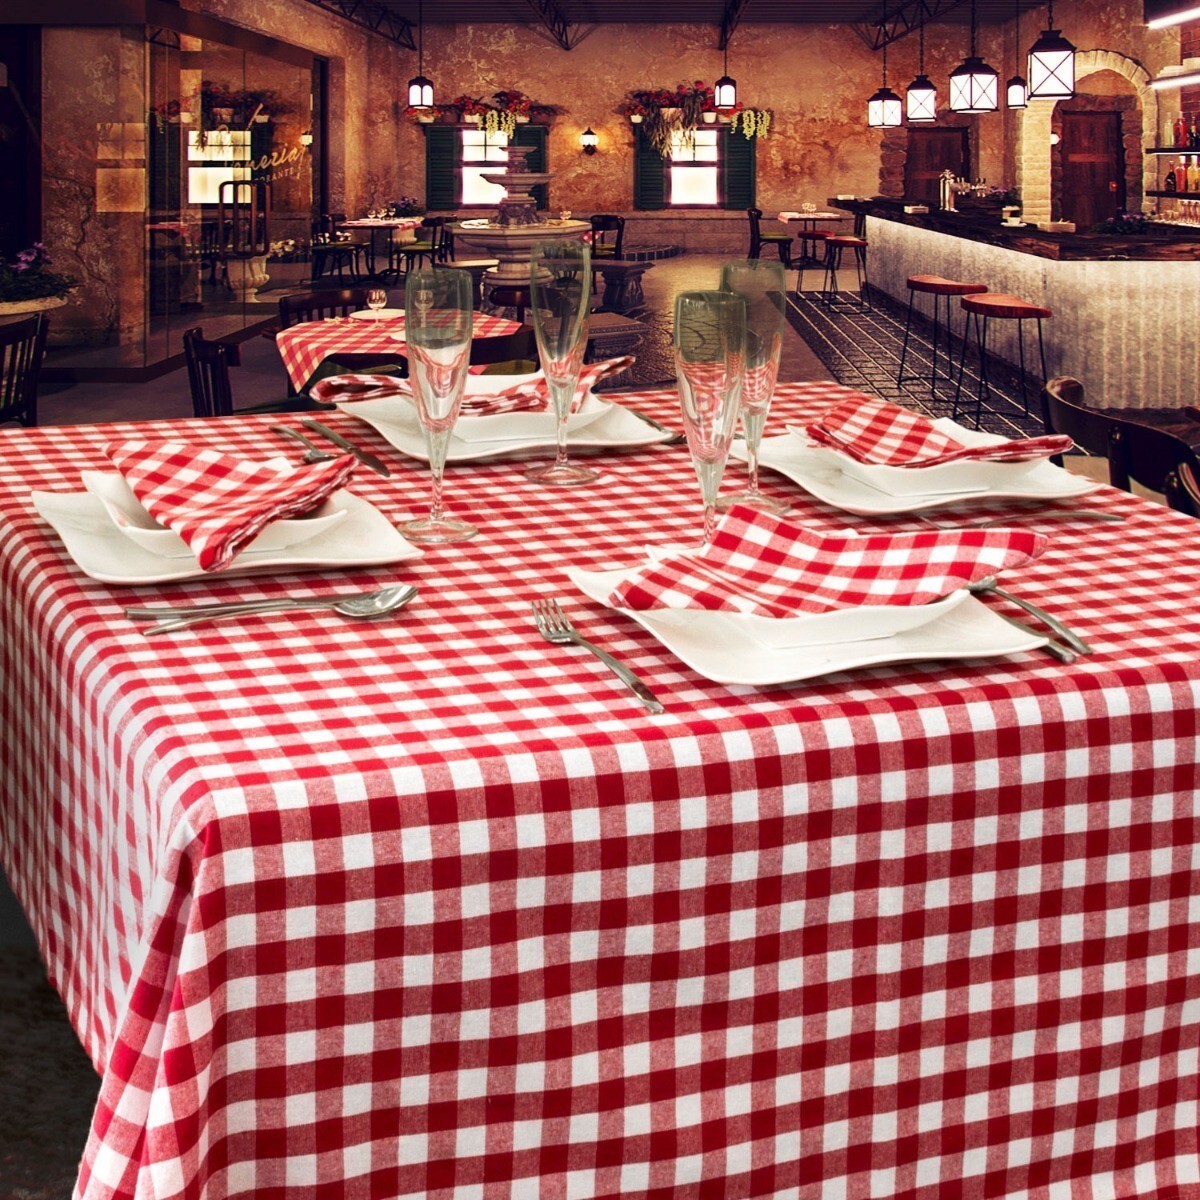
(430,908)
(306,346)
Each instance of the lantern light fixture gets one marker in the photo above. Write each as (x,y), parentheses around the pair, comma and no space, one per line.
(1051,64)
(921,95)
(725,89)
(885,109)
(1017,90)
(588,140)
(974,86)
(420,88)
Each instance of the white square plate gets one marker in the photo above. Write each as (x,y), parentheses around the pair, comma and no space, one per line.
(721,649)
(364,537)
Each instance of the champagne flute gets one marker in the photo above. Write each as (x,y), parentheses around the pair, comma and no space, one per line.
(763,286)
(438,323)
(560,292)
(376,299)
(710,351)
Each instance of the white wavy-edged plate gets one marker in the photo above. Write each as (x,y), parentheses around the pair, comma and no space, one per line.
(127,514)
(599,425)
(364,537)
(723,651)
(378,314)
(820,472)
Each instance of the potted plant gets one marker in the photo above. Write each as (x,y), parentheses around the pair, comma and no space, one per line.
(514,103)
(422,116)
(470,108)
(407,206)
(754,122)
(27,284)
(665,114)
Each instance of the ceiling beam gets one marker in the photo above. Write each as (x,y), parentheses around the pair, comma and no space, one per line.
(734,11)
(551,16)
(900,22)
(374,17)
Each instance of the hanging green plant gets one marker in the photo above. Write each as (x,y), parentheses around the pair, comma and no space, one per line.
(495,121)
(753,122)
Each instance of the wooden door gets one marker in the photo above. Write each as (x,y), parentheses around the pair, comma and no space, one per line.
(930,152)
(1093,167)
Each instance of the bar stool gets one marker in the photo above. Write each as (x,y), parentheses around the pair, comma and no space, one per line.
(510,297)
(997,306)
(936,286)
(810,241)
(835,245)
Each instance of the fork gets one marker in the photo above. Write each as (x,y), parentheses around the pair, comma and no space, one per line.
(1079,514)
(553,625)
(313,453)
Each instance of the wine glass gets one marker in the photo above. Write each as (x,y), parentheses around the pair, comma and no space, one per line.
(437,331)
(376,299)
(710,352)
(560,294)
(763,286)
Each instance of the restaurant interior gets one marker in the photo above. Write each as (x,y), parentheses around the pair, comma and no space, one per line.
(599,600)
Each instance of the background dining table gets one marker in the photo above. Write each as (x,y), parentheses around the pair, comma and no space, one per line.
(430,908)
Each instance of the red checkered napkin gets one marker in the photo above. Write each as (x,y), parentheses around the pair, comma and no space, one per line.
(357,387)
(876,431)
(759,564)
(218,503)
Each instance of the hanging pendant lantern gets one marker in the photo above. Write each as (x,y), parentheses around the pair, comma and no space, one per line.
(885,110)
(1017,90)
(921,96)
(725,89)
(974,86)
(1051,64)
(420,89)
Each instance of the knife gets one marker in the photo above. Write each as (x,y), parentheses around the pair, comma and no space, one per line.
(364,456)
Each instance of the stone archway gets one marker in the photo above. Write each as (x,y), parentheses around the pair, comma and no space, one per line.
(1033,138)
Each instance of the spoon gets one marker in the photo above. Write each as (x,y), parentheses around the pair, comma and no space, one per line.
(988,584)
(314,453)
(367,606)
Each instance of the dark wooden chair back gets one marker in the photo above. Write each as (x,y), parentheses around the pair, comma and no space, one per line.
(1189,484)
(318,306)
(608,235)
(522,344)
(22,349)
(754,215)
(1136,453)
(208,364)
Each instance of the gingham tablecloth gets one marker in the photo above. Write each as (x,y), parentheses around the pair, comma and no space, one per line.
(306,346)
(429,908)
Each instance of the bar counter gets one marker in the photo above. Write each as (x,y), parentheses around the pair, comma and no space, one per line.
(1126,309)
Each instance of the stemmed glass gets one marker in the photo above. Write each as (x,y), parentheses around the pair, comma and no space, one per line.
(376,299)
(710,352)
(560,294)
(763,286)
(437,330)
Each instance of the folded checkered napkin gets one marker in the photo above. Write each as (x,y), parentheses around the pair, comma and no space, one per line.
(875,431)
(531,396)
(218,503)
(335,388)
(762,565)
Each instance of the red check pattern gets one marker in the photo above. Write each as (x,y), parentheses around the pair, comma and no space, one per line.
(219,503)
(888,435)
(428,908)
(760,564)
(306,346)
(335,388)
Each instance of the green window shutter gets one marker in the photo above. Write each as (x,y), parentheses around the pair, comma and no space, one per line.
(535,136)
(649,174)
(441,167)
(739,170)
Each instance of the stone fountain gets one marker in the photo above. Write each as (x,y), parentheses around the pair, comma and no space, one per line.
(517,226)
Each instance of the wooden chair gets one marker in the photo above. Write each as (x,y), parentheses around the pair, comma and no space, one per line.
(781,241)
(508,354)
(22,349)
(318,306)
(333,256)
(433,247)
(1189,482)
(1136,453)
(608,235)
(208,364)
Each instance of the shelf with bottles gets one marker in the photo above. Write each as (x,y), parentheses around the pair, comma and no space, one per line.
(1182,178)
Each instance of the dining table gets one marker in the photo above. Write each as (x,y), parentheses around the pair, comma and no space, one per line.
(306,345)
(428,907)
(386,234)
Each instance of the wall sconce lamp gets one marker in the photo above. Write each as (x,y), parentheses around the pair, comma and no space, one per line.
(588,140)
(306,139)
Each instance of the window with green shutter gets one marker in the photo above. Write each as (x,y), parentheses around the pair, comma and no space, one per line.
(445,160)
(664,183)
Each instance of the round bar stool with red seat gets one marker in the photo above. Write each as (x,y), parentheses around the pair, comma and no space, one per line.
(936,286)
(835,246)
(506,297)
(810,241)
(997,306)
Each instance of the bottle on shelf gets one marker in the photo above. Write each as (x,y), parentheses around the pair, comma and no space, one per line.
(1169,183)
(1180,131)
(1193,174)
(1193,136)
